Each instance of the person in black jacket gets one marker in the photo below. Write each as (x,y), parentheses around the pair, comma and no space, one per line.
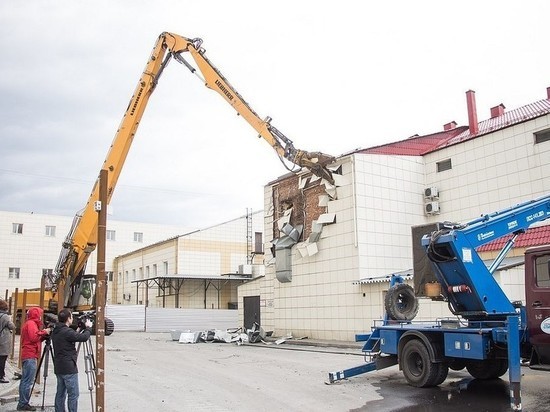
(65,356)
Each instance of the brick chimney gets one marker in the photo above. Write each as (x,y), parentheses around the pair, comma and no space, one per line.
(472,111)
(497,110)
(449,126)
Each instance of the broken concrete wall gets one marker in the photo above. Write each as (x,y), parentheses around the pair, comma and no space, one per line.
(300,196)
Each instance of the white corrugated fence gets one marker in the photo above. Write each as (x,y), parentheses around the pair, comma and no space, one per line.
(140,318)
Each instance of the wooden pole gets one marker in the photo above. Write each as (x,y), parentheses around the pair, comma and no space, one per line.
(101,293)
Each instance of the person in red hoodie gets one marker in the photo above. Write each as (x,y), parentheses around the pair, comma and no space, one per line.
(32,336)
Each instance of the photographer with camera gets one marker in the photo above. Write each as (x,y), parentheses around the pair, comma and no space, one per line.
(65,357)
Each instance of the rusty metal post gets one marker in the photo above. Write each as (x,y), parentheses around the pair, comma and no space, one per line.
(100,297)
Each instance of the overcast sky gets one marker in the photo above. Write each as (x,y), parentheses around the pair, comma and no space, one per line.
(333,75)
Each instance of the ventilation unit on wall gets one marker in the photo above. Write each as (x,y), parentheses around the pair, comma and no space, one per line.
(431,208)
(431,193)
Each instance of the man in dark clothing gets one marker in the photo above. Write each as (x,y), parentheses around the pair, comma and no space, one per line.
(65,356)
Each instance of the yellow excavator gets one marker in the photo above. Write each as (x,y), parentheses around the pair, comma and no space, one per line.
(73,288)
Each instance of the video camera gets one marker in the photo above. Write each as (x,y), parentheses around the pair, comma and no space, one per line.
(81,321)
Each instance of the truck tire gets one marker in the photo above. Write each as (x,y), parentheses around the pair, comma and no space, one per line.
(487,369)
(457,364)
(401,303)
(418,369)
(109,326)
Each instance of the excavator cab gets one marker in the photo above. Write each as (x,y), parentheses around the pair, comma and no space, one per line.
(82,294)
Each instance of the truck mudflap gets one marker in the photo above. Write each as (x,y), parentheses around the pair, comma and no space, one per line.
(540,358)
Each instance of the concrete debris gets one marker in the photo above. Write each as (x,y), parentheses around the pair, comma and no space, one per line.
(237,335)
(288,337)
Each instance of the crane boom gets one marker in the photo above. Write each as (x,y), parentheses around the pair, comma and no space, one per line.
(82,238)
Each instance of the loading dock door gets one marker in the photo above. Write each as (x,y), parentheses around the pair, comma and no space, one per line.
(251,306)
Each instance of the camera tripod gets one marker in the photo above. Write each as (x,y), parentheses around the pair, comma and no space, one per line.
(90,367)
(44,360)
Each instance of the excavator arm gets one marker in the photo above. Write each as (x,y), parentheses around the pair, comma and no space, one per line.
(316,162)
(82,239)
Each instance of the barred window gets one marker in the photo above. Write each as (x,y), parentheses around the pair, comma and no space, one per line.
(444,165)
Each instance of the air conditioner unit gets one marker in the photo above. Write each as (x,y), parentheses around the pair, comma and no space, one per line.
(431,208)
(431,193)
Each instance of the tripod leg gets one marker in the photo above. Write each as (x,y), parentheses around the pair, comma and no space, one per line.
(89,363)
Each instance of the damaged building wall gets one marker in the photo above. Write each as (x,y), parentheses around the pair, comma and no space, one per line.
(323,299)
(383,197)
(301,196)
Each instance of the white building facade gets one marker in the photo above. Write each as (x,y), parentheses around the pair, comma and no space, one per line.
(197,270)
(336,288)
(31,244)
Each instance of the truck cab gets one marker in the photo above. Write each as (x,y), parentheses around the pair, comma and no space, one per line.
(537,293)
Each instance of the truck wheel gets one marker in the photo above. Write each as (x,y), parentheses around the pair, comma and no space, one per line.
(400,302)
(443,371)
(487,369)
(417,367)
(457,365)
(109,326)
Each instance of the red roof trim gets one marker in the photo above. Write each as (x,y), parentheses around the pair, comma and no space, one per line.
(421,145)
(536,236)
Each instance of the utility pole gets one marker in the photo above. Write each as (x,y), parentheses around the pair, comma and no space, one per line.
(101,298)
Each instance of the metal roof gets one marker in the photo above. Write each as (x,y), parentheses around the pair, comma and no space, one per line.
(405,274)
(415,145)
(230,276)
(535,236)
(507,119)
(421,145)
(507,263)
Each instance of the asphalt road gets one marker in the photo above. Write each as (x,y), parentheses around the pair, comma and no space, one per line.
(150,372)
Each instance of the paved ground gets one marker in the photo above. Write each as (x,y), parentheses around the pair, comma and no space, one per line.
(150,372)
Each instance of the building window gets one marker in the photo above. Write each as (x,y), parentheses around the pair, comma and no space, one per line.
(133,274)
(165,263)
(50,231)
(141,273)
(147,272)
(126,276)
(111,235)
(444,165)
(14,273)
(542,136)
(119,281)
(17,228)
(258,243)
(155,271)
(109,276)
(138,237)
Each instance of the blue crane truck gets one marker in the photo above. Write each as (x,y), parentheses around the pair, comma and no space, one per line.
(488,334)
